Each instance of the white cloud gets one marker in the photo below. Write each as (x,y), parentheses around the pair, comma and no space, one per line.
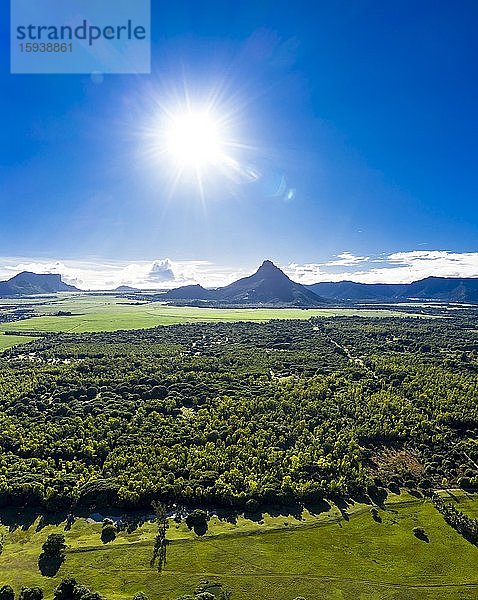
(100,275)
(347,259)
(397,267)
(161,271)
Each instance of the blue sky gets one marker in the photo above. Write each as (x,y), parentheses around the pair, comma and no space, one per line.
(358,117)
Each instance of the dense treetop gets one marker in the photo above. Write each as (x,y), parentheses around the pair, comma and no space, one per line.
(225,413)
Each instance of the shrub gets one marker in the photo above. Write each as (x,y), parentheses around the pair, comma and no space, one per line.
(54,546)
(196,518)
(108,533)
(6,593)
(34,593)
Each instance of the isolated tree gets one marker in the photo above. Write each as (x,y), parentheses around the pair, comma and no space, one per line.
(108,531)
(196,518)
(160,542)
(54,545)
(53,555)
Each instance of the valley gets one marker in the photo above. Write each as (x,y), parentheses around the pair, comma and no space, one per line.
(314,446)
(109,312)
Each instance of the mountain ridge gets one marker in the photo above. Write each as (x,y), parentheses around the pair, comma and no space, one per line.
(27,283)
(268,285)
(448,289)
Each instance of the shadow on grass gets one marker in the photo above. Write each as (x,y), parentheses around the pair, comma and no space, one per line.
(394,488)
(318,507)
(378,497)
(15,518)
(50,565)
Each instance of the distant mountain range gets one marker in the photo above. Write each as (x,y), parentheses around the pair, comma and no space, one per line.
(123,289)
(268,285)
(271,286)
(446,289)
(27,283)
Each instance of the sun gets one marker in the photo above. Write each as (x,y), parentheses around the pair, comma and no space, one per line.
(194,139)
(196,143)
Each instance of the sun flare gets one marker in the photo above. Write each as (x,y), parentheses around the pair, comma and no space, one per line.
(197,143)
(194,139)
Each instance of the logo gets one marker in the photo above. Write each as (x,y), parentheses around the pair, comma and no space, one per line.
(80,36)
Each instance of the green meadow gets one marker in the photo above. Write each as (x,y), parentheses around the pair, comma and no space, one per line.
(90,313)
(331,555)
(8,341)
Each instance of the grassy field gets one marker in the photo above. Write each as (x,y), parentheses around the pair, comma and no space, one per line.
(464,501)
(8,341)
(103,313)
(316,556)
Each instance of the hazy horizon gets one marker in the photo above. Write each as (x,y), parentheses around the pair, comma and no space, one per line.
(166,273)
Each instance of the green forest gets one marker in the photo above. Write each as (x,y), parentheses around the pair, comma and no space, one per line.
(240,414)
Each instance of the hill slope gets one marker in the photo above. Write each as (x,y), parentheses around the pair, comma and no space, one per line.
(190,292)
(447,289)
(26,283)
(453,289)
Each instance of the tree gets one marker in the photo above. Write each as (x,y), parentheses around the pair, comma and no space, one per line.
(7,593)
(54,545)
(53,555)
(197,518)
(108,531)
(34,593)
(65,590)
(69,589)
(160,542)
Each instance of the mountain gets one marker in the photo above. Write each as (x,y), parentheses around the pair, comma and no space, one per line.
(451,289)
(351,290)
(268,285)
(33,283)
(190,292)
(446,289)
(126,289)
